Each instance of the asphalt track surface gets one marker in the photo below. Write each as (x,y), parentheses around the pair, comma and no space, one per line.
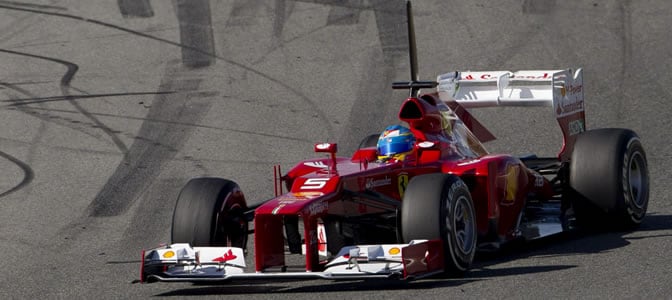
(108,107)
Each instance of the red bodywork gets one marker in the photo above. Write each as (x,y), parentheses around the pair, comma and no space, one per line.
(499,184)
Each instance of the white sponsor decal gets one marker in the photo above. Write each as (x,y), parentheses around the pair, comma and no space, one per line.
(568,106)
(570,100)
(314,183)
(371,183)
(538,180)
(277,209)
(495,75)
(426,144)
(323,146)
(316,164)
(318,207)
(453,189)
(625,180)
(576,127)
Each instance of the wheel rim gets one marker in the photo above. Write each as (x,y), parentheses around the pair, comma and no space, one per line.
(464,224)
(637,179)
(231,229)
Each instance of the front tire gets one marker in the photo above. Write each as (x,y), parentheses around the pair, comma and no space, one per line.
(439,206)
(609,176)
(209,212)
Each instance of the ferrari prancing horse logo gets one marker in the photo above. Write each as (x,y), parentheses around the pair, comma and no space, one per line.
(402,183)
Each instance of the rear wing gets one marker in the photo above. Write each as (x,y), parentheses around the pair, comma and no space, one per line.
(560,89)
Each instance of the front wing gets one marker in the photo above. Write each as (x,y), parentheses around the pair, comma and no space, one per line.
(183,263)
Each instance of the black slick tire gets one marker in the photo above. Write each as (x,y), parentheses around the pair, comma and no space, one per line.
(609,179)
(209,212)
(439,206)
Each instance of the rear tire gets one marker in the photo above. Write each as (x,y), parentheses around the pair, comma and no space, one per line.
(609,179)
(210,212)
(439,206)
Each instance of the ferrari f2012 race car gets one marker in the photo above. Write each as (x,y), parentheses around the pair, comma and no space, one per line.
(427,213)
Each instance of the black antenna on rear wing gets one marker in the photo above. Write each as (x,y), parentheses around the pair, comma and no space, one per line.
(414,85)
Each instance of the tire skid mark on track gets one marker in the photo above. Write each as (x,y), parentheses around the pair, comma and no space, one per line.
(254,71)
(45,119)
(65,90)
(183,158)
(359,5)
(626,57)
(538,6)
(28,82)
(345,14)
(17,27)
(167,122)
(28,174)
(33,5)
(135,8)
(39,42)
(242,10)
(195,20)
(33,143)
(33,100)
(282,11)
(62,148)
(373,104)
(144,161)
(143,233)
(69,123)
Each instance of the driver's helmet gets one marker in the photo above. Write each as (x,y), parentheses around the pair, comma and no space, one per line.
(395,142)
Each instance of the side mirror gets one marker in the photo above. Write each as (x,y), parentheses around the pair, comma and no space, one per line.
(330,148)
(326,148)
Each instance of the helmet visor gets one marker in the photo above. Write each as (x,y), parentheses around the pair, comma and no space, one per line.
(392,148)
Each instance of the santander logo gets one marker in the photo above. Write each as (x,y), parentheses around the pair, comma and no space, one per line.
(487,76)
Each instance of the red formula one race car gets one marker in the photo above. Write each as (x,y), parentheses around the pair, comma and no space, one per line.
(418,199)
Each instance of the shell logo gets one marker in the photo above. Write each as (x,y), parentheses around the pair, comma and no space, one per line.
(394,251)
(168,254)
